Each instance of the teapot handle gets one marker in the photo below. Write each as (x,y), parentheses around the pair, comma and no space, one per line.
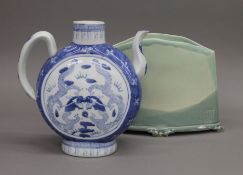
(24,55)
(139,62)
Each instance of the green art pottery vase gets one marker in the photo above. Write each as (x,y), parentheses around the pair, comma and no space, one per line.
(180,86)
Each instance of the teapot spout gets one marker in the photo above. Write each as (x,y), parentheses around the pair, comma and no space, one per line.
(139,62)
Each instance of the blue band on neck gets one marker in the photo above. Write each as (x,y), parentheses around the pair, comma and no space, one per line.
(89,27)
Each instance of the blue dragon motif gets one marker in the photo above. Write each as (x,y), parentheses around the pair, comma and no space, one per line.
(63,88)
(92,102)
(113,99)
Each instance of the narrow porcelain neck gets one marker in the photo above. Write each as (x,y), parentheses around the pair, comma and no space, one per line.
(88,32)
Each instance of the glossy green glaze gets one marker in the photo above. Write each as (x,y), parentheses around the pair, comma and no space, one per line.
(180,87)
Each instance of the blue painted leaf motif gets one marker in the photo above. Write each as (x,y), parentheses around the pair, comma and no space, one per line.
(98,105)
(84,135)
(71,104)
(114,113)
(86,124)
(89,80)
(56,113)
(85,130)
(63,70)
(106,67)
(68,82)
(86,66)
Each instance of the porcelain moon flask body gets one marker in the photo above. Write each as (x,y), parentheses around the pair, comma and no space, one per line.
(89,92)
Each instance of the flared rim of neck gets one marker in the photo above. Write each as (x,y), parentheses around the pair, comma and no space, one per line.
(89,22)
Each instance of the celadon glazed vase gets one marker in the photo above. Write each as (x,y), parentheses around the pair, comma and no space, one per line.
(180,86)
(88,92)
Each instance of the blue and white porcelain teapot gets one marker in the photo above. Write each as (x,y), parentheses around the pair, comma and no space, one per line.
(88,92)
